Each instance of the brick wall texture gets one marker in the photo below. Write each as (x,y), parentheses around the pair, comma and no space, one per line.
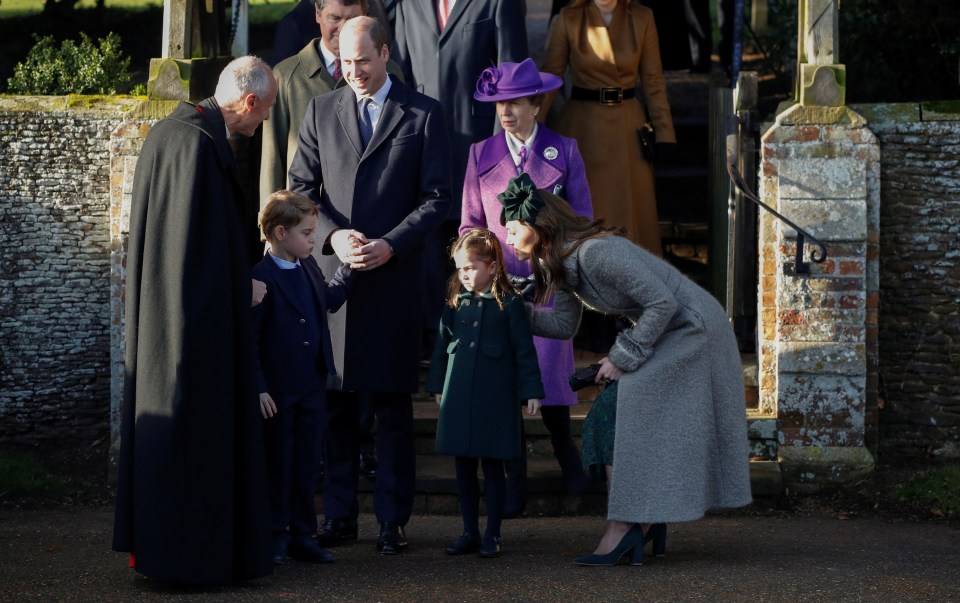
(919,320)
(55,269)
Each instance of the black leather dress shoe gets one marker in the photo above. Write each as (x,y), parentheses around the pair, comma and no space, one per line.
(467,543)
(308,550)
(334,532)
(280,546)
(368,465)
(490,547)
(392,539)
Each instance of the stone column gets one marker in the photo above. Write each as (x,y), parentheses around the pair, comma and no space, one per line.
(817,335)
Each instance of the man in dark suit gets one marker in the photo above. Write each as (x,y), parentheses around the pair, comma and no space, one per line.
(442,46)
(191,483)
(375,159)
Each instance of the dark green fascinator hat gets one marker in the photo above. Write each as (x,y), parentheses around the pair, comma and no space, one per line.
(520,200)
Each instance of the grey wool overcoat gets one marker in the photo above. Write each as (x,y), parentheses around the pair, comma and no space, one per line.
(485,365)
(681,434)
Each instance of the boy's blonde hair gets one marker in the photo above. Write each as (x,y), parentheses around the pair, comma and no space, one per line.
(480,244)
(284,208)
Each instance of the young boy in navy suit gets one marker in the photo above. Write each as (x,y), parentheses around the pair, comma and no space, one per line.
(293,358)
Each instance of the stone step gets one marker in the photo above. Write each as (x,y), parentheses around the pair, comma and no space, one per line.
(436,490)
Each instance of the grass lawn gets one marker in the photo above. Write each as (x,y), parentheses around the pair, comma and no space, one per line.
(261,11)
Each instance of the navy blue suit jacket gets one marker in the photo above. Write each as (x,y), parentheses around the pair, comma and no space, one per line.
(280,322)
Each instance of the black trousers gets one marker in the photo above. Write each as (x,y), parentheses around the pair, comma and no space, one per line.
(396,475)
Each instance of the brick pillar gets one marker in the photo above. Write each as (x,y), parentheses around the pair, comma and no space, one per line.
(817,334)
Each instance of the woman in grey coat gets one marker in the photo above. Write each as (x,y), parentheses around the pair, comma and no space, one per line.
(680,444)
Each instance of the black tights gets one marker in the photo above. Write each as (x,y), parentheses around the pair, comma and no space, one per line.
(468,491)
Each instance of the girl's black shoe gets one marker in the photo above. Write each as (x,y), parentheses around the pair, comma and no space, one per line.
(490,547)
(467,543)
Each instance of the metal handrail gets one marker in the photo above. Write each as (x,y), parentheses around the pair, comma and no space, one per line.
(800,267)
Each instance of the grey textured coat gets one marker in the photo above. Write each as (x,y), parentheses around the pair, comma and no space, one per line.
(681,436)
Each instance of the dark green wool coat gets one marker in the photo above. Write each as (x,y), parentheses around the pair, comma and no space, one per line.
(485,365)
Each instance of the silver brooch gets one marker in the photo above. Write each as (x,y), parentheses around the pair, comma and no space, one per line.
(551,153)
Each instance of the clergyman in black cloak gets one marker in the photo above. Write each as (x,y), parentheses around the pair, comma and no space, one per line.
(191,495)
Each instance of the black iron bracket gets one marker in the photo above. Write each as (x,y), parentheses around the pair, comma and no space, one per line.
(799,267)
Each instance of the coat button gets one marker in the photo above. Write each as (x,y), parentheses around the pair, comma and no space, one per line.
(476,323)
(473,344)
(480,303)
(466,302)
(306,344)
(303,320)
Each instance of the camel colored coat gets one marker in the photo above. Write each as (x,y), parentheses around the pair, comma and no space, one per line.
(621,181)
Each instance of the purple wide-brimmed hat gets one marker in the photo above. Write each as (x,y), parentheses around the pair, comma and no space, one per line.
(514,80)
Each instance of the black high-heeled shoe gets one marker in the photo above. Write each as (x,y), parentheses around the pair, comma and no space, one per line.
(633,540)
(658,534)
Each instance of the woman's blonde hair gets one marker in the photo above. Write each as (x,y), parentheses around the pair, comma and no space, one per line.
(480,244)
(560,232)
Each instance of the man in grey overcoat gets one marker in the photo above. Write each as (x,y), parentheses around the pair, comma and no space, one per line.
(381,184)
(444,63)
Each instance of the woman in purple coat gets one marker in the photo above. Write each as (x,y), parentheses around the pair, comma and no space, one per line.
(553,163)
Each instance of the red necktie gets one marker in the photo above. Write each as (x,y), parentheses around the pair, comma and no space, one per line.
(337,74)
(443,12)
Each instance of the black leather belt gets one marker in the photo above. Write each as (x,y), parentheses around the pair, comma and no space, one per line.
(606,96)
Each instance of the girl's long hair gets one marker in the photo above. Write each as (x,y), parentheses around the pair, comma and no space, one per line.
(560,232)
(480,244)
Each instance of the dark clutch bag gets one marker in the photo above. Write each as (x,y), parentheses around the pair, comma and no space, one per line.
(648,139)
(584,377)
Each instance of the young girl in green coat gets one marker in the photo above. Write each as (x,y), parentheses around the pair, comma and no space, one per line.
(485,364)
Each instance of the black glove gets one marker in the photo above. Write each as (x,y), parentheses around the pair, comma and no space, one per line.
(525,285)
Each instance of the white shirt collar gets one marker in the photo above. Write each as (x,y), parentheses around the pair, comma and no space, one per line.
(380,96)
(514,144)
(329,59)
(284,264)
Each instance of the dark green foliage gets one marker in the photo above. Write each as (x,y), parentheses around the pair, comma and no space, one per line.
(894,50)
(85,68)
(22,477)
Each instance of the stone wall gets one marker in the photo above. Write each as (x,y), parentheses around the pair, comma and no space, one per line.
(919,387)
(55,268)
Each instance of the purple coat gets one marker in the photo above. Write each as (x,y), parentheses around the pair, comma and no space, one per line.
(554,161)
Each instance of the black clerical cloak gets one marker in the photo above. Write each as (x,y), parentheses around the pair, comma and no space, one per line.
(191,494)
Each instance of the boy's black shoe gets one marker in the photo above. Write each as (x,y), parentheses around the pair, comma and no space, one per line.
(307,549)
(392,539)
(280,545)
(334,532)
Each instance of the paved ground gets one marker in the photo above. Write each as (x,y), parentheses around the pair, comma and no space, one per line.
(58,555)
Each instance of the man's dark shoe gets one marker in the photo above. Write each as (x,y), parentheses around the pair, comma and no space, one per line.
(467,543)
(335,532)
(392,539)
(368,465)
(307,549)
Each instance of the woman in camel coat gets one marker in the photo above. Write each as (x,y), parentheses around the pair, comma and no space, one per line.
(608,44)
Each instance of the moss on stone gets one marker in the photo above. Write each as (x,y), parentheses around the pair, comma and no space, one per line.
(888,113)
